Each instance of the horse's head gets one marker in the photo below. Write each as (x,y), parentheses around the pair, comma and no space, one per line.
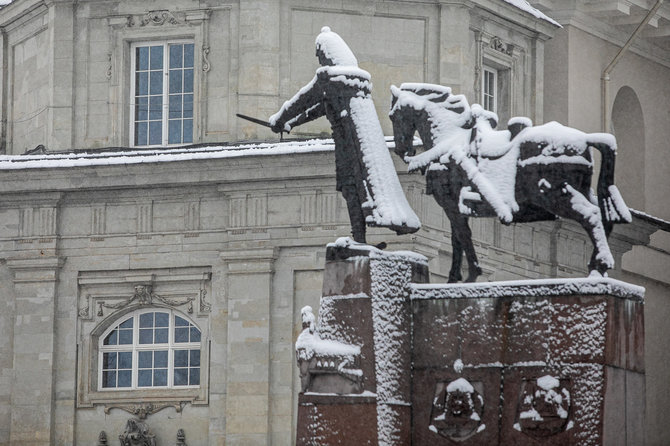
(404,119)
(409,114)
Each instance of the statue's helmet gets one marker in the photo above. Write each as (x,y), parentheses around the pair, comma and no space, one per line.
(331,49)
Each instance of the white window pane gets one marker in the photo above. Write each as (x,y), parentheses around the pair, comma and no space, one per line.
(181,358)
(160,377)
(175,81)
(109,378)
(124,378)
(180,377)
(174,131)
(188,130)
(176,56)
(111,338)
(194,376)
(188,81)
(142,83)
(188,55)
(155,133)
(141,133)
(156,58)
(142,58)
(144,378)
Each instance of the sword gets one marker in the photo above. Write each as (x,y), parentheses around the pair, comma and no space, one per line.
(259,122)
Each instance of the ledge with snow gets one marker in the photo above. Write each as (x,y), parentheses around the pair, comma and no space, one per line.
(394,360)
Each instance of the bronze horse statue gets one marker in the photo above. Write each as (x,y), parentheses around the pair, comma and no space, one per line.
(523,174)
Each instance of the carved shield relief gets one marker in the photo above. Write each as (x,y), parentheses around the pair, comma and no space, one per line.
(544,406)
(458,408)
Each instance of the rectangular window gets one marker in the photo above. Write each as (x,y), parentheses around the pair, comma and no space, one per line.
(489,89)
(162,94)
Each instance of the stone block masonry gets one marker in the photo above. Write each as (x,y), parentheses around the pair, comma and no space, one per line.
(543,362)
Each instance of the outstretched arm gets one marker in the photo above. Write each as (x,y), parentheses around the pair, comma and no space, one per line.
(303,107)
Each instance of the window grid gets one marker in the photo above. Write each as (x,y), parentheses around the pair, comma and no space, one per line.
(162,93)
(489,89)
(144,365)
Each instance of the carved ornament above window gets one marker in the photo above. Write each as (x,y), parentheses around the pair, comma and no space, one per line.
(145,296)
(497,44)
(159,18)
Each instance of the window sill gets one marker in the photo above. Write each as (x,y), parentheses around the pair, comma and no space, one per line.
(156,397)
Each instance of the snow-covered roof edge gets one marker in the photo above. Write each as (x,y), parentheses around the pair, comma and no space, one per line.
(525,6)
(530,288)
(664,225)
(157,155)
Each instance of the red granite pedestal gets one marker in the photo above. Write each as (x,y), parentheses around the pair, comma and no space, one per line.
(554,362)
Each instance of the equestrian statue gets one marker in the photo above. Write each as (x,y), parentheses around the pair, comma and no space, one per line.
(523,174)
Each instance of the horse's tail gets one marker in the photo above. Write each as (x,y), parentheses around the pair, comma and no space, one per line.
(612,207)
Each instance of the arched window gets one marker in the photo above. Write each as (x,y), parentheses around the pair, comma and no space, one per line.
(628,127)
(150,349)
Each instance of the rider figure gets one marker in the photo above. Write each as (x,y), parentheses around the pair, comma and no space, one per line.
(330,93)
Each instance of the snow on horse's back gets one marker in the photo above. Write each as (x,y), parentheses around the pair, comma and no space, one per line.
(525,173)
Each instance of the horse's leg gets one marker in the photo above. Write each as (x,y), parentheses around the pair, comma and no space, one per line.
(474,270)
(461,237)
(577,207)
(456,257)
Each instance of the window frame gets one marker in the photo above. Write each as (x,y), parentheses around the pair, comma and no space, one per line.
(165,43)
(136,347)
(488,70)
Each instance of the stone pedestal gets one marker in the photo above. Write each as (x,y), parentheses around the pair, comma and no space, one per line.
(365,304)
(557,362)
(554,362)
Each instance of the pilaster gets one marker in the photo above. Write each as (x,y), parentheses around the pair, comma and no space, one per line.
(249,284)
(32,392)
(62,94)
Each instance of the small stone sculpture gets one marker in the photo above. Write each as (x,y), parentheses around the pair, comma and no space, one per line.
(365,173)
(326,365)
(181,438)
(522,174)
(137,434)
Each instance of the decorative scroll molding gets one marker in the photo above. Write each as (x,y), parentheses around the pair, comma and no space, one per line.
(205,59)
(144,296)
(497,44)
(159,18)
(143,410)
(205,307)
(85,311)
(108,73)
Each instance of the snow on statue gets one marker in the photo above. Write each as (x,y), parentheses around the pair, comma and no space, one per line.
(521,174)
(364,169)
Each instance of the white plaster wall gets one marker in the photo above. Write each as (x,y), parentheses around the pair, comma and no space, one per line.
(572,96)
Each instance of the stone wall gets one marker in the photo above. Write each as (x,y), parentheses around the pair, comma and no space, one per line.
(252,239)
(250,56)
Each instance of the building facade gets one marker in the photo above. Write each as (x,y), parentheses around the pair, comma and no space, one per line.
(153,266)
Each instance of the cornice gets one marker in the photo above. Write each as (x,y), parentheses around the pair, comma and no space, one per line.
(591,25)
